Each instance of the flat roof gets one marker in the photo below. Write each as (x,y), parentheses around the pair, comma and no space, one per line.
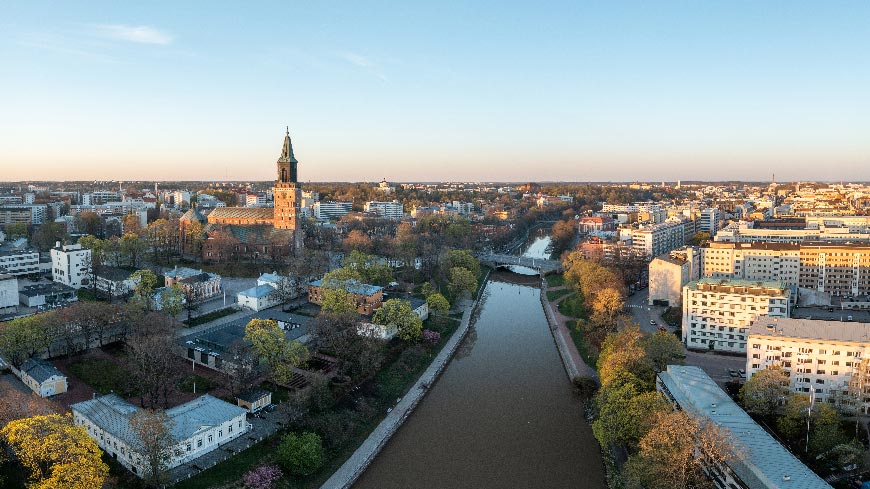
(216,340)
(811,329)
(759,460)
(778,288)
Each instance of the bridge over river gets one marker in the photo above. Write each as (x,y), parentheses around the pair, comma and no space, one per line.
(540,264)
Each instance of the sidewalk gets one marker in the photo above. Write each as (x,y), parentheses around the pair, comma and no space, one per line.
(574,364)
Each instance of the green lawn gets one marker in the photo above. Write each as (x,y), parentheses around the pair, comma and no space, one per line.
(104,376)
(202,384)
(573,306)
(556,280)
(234,468)
(553,295)
(586,351)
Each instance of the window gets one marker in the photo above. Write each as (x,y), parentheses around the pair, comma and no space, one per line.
(199,443)
(188,447)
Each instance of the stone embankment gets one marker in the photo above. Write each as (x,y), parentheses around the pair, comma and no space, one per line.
(571,359)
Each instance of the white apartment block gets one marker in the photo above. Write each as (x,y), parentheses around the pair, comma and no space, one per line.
(651,212)
(199,427)
(256,200)
(752,261)
(711,219)
(668,274)
(326,210)
(8,293)
(19,263)
(71,265)
(658,239)
(738,234)
(388,210)
(829,358)
(717,313)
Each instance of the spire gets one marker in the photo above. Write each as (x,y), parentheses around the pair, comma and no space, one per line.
(287,150)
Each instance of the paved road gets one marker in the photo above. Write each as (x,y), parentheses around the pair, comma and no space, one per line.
(642,313)
(231,286)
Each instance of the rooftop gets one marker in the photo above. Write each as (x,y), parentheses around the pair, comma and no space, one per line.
(760,461)
(40,370)
(810,329)
(217,340)
(739,286)
(354,287)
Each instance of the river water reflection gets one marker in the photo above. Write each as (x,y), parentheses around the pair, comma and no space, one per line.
(503,413)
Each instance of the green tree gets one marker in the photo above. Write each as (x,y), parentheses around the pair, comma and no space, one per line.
(700,238)
(623,353)
(17,230)
(438,304)
(172,300)
(143,293)
(302,455)
(625,413)
(663,349)
(462,281)
(273,347)
(825,429)
(337,301)
(398,312)
(764,391)
(463,259)
(339,276)
(132,248)
(792,424)
(23,338)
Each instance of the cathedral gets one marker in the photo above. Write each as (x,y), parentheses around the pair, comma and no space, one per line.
(257,232)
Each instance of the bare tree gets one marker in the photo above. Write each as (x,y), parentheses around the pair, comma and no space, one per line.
(154,430)
(155,367)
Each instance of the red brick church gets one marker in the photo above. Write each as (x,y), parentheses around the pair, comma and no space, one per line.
(255,232)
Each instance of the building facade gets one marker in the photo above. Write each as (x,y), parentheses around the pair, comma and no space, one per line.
(71,265)
(22,262)
(387,210)
(367,298)
(717,313)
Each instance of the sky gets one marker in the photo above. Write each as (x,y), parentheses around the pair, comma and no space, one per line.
(428,91)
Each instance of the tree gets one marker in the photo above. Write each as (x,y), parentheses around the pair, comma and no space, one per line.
(132,224)
(438,305)
(89,223)
(57,453)
(663,349)
(143,292)
(241,367)
(286,290)
(398,312)
(357,240)
(700,238)
(337,335)
(301,455)
(47,234)
(151,357)
(625,413)
(23,338)
(337,301)
(764,391)
(669,453)
(172,300)
(792,425)
(17,230)
(463,259)
(132,247)
(606,305)
(272,346)
(623,353)
(262,477)
(825,430)
(462,281)
(153,429)
(339,276)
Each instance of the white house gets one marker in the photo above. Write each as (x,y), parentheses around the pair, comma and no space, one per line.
(198,427)
(71,265)
(8,293)
(41,377)
(258,297)
(114,282)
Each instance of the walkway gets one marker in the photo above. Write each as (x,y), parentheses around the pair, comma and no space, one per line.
(354,466)
(574,364)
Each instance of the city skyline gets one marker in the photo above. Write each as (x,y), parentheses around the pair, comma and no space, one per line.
(426,93)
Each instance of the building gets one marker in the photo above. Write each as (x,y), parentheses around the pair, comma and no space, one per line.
(753,261)
(213,347)
(199,426)
(8,293)
(19,262)
(839,269)
(196,284)
(367,298)
(711,220)
(254,399)
(387,210)
(658,239)
(591,224)
(114,282)
(743,234)
(256,200)
(47,295)
(41,377)
(759,461)
(264,295)
(829,358)
(668,274)
(331,210)
(717,313)
(71,265)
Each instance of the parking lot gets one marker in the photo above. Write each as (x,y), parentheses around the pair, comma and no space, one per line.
(836,314)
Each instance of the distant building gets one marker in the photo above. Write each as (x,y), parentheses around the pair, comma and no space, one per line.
(71,265)
(760,462)
(254,399)
(387,210)
(591,224)
(8,293)
(668,274)
(50,295)
(711,220)
(114,282)
(199,427)
(717,313)
(19,262)
(331,210)
(41,377)
(196,284)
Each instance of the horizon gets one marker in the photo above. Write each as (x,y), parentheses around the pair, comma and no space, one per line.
(570,92)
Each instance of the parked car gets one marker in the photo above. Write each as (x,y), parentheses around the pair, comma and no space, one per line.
(653,322)
(732,372)
(270,408)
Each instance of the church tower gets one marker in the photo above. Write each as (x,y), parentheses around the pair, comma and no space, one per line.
(287,193)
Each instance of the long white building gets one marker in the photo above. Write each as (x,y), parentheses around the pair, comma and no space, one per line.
(717,313)
(198,427)
(753,261)
(19,263)
(828,357)
(388,210)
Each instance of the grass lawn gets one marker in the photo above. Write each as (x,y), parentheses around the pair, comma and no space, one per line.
(586,351)
(205,318)
(555,280)
(202,384)
(104,376)
(573,306)
(233,469)
(553,295)
(86,295)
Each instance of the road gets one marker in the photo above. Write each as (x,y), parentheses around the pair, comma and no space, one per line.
(231,286)
(641,313)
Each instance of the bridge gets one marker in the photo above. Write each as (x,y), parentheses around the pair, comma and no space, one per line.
(542,265)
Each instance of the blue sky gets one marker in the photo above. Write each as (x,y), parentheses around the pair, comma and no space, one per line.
(436,90)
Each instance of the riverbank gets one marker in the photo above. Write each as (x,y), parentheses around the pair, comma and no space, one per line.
(357,463)
(571,358)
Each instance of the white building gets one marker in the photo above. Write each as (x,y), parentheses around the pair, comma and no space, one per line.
(668,274)
(256,200)
(20,262)
(711,219)
(717,313)
(742,234)
(760,462)
(71,265)
(8,293)
(41,377)
(114,282)
(388,210)
(326,210)
(199,426)
(753,261)
(828,357)
(658,239)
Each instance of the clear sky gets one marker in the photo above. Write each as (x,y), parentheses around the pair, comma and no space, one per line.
(439,90)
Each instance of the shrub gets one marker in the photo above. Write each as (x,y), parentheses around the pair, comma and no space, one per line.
(430,337)
(301,455)
(263,477)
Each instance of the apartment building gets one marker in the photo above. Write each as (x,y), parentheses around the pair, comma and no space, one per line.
(652,212)
(326,210)
(836,269)
(71,265)
(742,234)
(827,358)
(388,210)
(752,261)
(717,313)
(19,262)
(8,293)
(24,214)
(658,239)
(711,219)
(668,274)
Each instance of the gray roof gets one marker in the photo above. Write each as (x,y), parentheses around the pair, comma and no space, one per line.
(258,291)
(354,287)
(114,274)
(40,370)
(253,395)
(759,461)
(811,329)
(113,414)
(216,340)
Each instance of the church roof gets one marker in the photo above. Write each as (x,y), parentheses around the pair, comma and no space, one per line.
(287,150)
(260,213)
(192,215)
(251,234)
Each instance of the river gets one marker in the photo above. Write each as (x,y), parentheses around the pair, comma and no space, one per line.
(503,413)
